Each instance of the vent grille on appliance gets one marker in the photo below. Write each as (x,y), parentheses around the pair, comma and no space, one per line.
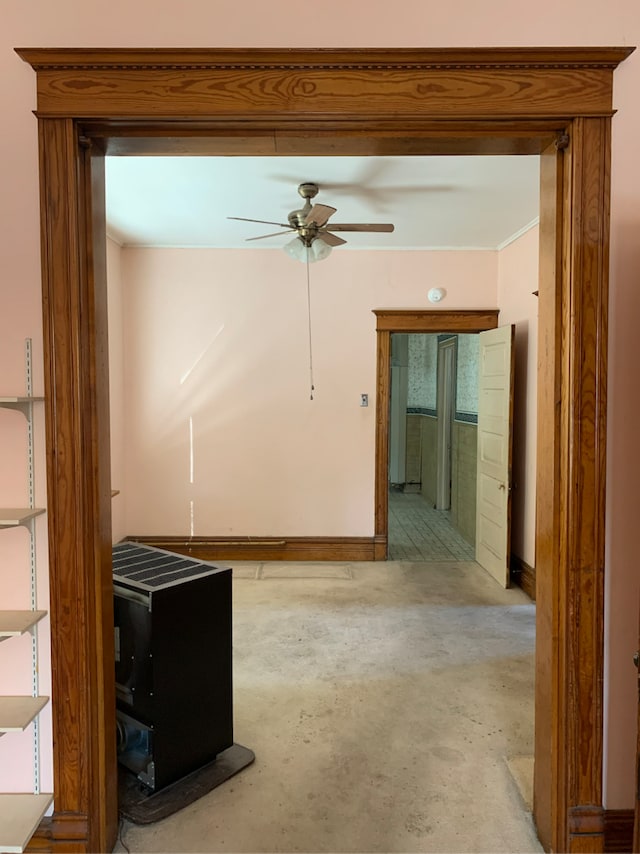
(149,568)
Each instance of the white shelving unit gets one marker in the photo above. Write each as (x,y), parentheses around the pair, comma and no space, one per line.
(20,813)
(20,817)
(16,623)
(12,517)
(16,713)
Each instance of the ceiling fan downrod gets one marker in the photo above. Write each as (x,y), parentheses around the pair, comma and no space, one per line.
(298,218)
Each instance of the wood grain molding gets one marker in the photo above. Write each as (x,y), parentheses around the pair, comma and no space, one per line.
(65,832)
(83,692)
(349,137)
(142,59)
(427,320)
(570,483)
(476,101)
(618,831)
(388,321)
(441,84)
(586,821)
(583,417)
(548,794)
(267,548)
(524,576)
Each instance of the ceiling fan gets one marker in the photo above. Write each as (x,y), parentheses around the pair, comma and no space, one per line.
(314,237)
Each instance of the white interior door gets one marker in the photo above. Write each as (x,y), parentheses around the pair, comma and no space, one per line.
(495,415)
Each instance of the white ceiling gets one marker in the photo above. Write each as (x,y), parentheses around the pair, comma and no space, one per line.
(478,202)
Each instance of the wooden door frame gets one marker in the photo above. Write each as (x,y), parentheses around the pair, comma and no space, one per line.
(556,102)
(412,320)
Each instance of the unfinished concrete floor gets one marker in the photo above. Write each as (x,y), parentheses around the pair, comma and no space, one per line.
(384,703)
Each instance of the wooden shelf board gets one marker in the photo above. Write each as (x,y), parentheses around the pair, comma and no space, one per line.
(14,623)
(11,517)
(16,713)
(20,815)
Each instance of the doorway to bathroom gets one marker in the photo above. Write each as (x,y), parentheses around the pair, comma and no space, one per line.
(433,446)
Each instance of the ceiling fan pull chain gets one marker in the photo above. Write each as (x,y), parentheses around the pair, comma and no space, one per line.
(309,314)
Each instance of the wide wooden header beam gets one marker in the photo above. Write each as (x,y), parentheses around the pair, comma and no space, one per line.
(435,83)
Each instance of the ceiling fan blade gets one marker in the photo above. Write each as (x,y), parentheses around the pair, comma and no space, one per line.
(330,239)
(275,234)
(363,226)
(319,215)
(263,221)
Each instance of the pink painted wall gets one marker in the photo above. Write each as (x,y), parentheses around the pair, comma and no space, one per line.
(409,23)
(116,388)
(517,279)
(220,428)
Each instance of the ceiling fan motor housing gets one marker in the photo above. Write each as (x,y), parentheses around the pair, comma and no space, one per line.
(306,233)
(297,218)
(308,190)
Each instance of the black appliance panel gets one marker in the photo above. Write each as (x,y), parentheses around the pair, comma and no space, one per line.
(173,662)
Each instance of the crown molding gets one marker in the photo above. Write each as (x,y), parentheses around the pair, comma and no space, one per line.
(525,228)
(325,59)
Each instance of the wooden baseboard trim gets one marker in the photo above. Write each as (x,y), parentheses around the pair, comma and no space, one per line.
(41,839)
(60,832)
(618,831)
(269,548)
(524,576)
(380,547)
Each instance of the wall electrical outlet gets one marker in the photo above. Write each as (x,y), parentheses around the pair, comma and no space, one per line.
(364,400)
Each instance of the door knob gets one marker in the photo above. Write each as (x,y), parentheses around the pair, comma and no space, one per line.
(636,659)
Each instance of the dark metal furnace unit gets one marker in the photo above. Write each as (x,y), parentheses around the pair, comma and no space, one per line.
(173,662)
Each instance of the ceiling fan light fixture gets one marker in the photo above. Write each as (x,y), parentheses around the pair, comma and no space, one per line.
(318,250)
(296,249)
